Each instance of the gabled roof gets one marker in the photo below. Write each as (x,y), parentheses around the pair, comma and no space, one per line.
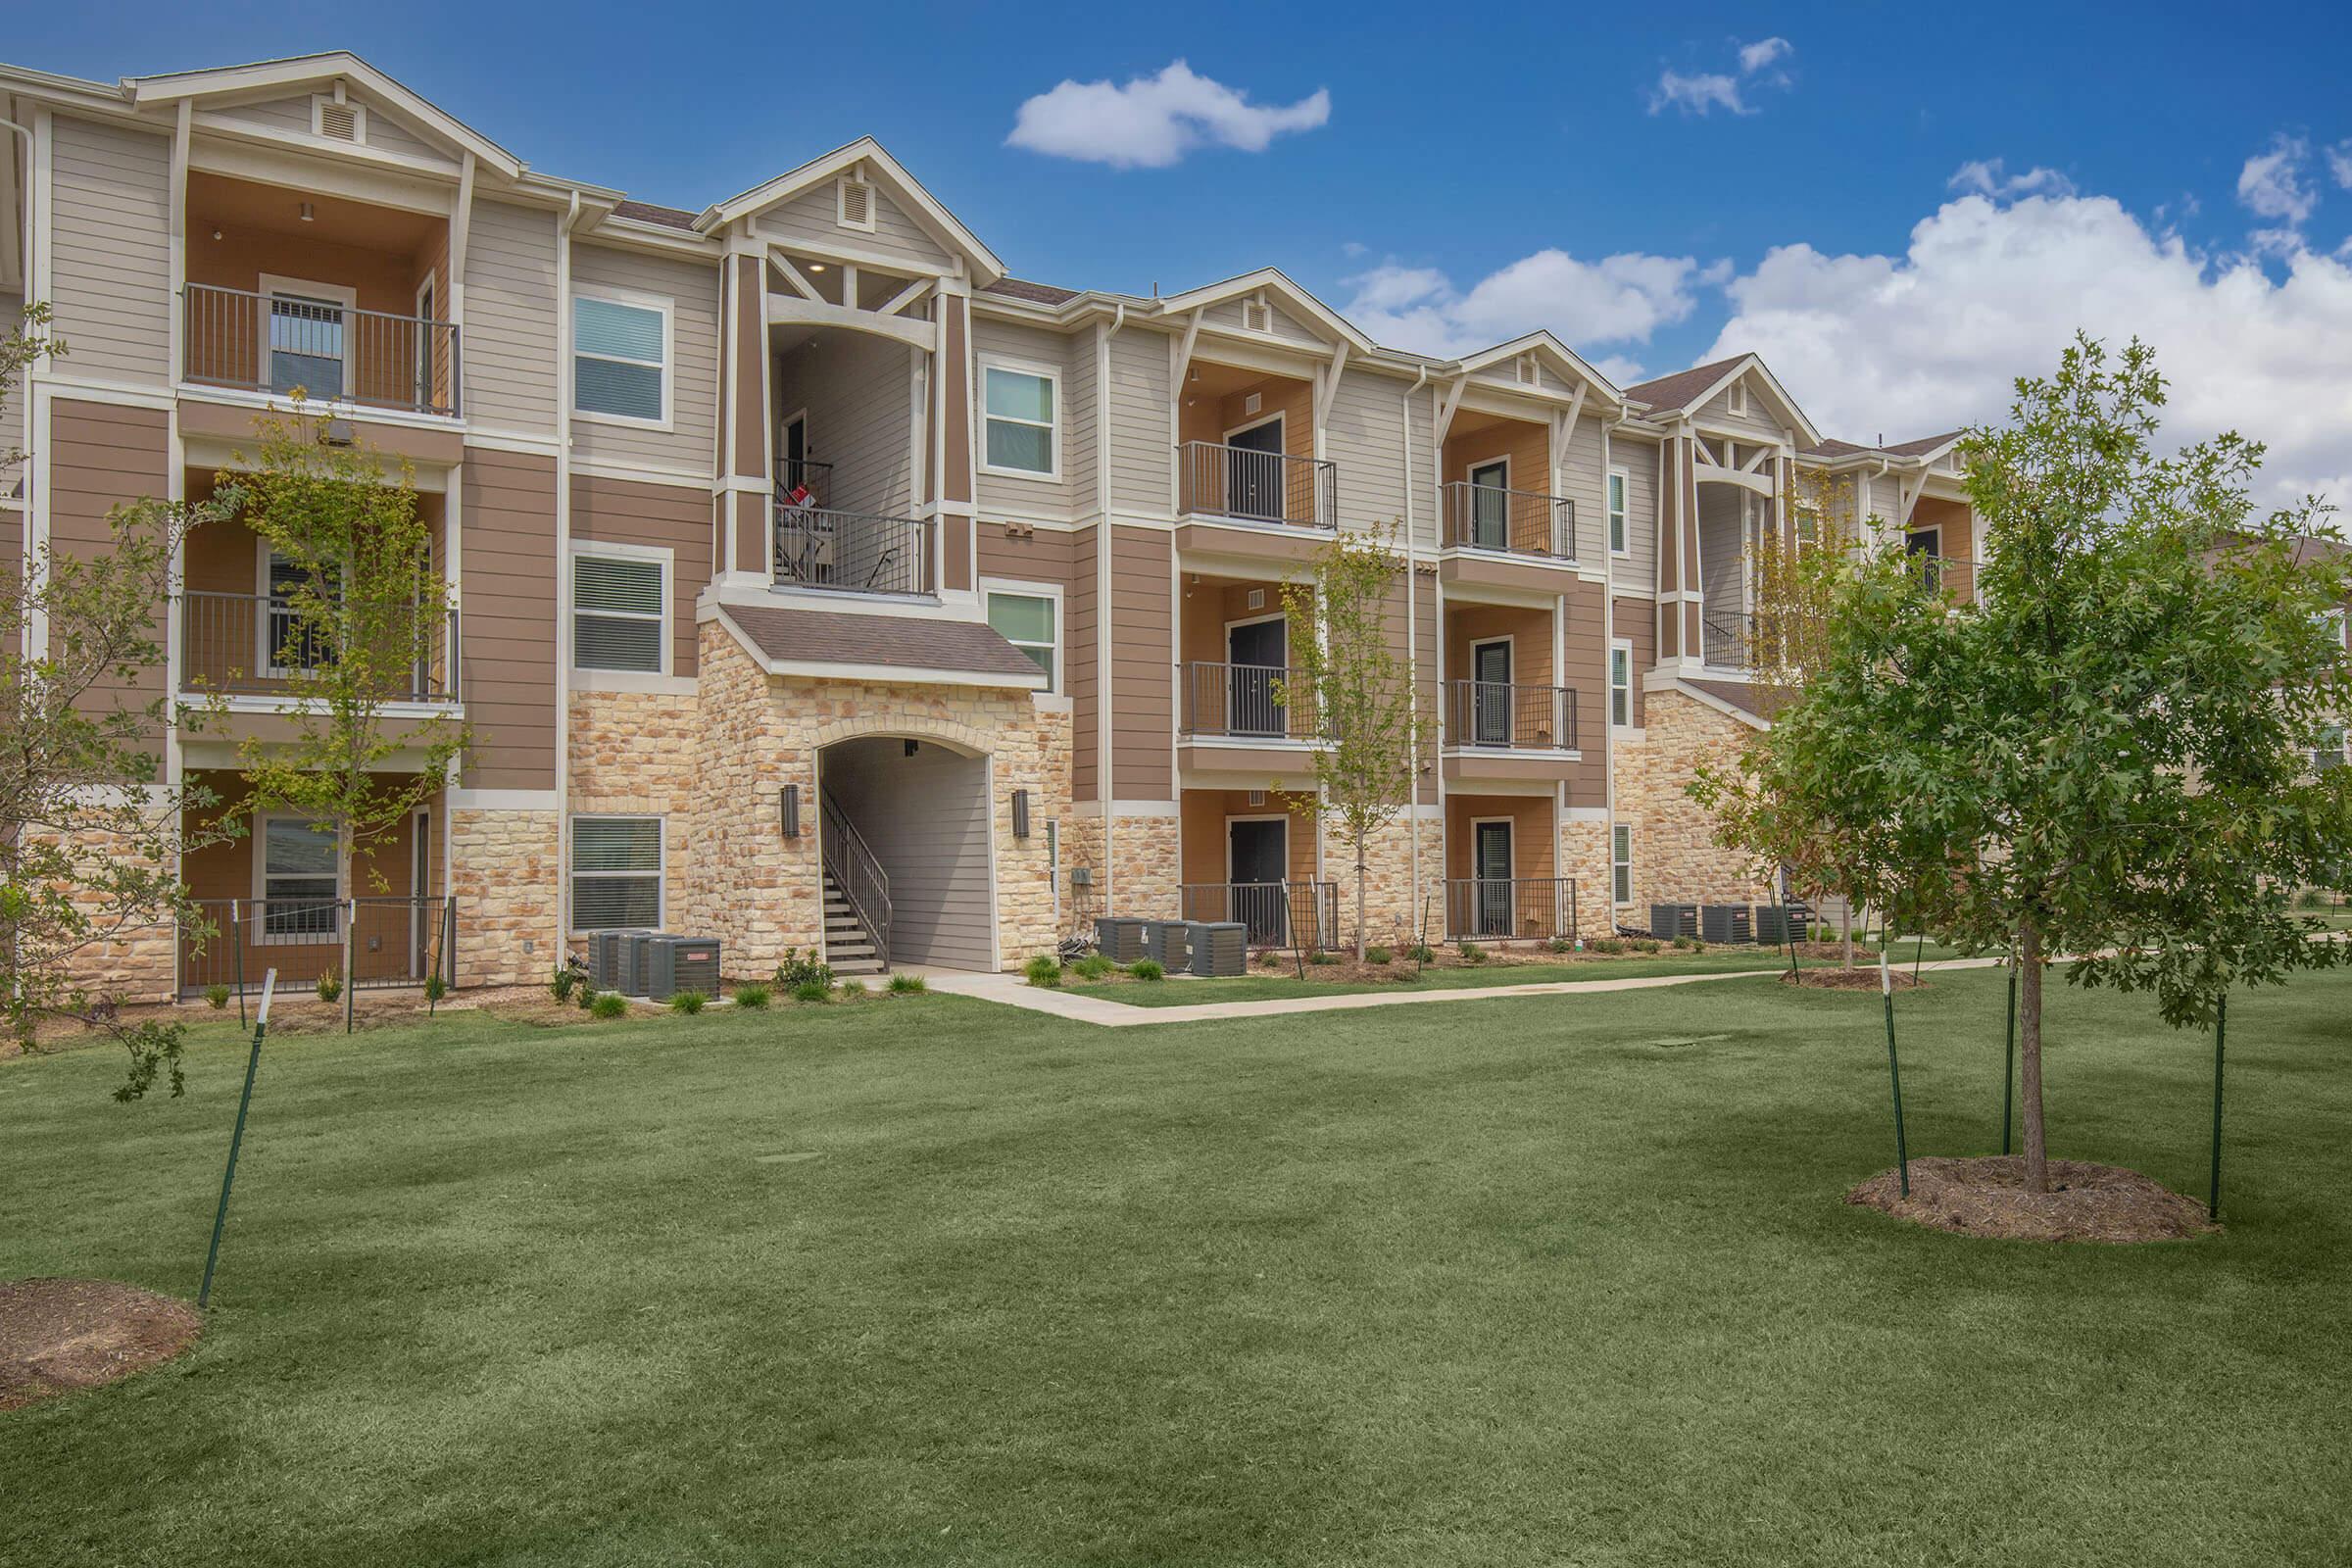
(1542,344)
(1270,279)
(1921,451)
(1686,390)
(886,171)
(307,70)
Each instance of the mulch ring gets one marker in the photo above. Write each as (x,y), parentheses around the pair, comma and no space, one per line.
(1987,1197)
(60,1336)
(1851,980)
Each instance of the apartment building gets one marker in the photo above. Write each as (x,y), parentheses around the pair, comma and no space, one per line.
(821,584)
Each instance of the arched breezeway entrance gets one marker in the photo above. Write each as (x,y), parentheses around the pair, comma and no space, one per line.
(907,853)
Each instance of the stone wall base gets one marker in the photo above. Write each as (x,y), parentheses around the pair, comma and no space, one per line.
(503,869)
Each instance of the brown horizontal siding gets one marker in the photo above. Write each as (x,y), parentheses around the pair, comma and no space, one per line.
(1585,670)
(103,455)
(1142,664)
(1080,644)
(1636,622)
(508,630)
(660,516)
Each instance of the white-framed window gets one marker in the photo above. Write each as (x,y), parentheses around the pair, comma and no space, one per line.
(1620,864)
(299,878)
(1021,406)
(1028,615)
(620,607)
(1620,491)
(616,873)
(2329,751)
(2331,621)
(620,358)
(287,641)
(306,336)
(1621,683)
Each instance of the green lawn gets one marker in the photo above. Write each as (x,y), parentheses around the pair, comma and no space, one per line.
(1547,1280)
(1267,984)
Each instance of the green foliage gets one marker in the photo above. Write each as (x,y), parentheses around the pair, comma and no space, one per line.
(908,985)
(688,1002)
(753,997)
(1377,954)
(216,996)
(1421,953)
(561,982)
(1147,969)
(851,989)
(1345,672)
(586,996)
(802,968)
(813,990)
(1562,945)
(608,1005)
(1270,958)
(1685,944)
(1042,970)
(330,986)
(1094,966)
(1647,944)
(1470,953)
(435,987)
(1612,946)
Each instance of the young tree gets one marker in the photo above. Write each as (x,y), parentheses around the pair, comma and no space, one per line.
(365,618)
(2108,756)
(1346,670)
(91,830)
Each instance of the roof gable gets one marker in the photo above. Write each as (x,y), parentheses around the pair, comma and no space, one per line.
(884,171)
(1550,351)
(1324,321)
(1686,390)
(272,85)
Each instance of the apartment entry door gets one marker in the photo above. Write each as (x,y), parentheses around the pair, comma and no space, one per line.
(1490,506)
(1254,471)
(1257,655)
(1491,846)
(1491,693)
(1257,860)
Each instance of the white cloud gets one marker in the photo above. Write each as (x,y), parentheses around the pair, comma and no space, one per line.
(1986,290)
(1618,299)
(2339,163)
(1152,121)
(1701,92)
(1989,177)
(2272,184)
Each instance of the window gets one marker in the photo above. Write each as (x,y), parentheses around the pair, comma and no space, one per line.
(1021,406)
(1621,683)
(621,359)
(620,610)
(298,878)
(2330,752)
(616,873)
(1620,864)
(290,642)
(1028,622)
(304,343)
(1619,485)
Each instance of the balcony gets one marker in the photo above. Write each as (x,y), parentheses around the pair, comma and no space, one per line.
(1516,522)
(1504,716)
(1243,484)
(253,645)
(1278,914)
(825,551)
(1517,909)
(335,353)
(1726,639)
(1246,701)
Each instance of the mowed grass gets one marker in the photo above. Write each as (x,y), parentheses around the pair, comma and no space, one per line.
(1557,1280)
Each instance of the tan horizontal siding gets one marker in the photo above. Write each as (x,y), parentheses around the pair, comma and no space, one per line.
(508,630)
(692,289)
(1143,447)
(110,248)
(509,342)
(104,456)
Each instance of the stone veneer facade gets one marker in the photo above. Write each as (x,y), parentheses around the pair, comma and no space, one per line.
(1676,859)
(1146,871)
(504,871)
(1585,855)
(1392,918)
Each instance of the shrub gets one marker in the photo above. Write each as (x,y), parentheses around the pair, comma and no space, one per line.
(608,1005)
(560,983)
(1378,955)
(1471,952)
(1646,945)
(1043,970)
(753,997)
(812,991)
(586,997)
(435,987)
(851,989)
(1562,945)
(1320,956)
(1421,953)
(1094,966)
(1146,969)
(687,1002)
(330,986)
(908,985)
(216,996)
(1607,944)
(1269,959)
(1685,944)
(799,969)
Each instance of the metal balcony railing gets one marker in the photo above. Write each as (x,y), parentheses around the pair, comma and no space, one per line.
(1278,914)
(854,553)
(1514,908)
(1259,701)
(1222,481)
(1519,522)
(252,644)
(400,940)
(1498,714)
(1952,575)
(335,353)
(802,474)
(1725,638)
(858,872)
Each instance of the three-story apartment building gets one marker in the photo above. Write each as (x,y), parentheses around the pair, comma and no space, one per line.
(820,584)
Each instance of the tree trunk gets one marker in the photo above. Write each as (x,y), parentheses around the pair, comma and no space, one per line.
(1359,903)
(1848,927)
(2028,1053)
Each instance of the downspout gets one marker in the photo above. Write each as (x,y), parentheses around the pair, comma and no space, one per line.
(1106,782)
(1608,648)
(1412,647)
(572,216)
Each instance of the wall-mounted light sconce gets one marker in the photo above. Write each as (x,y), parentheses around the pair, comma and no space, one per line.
(788,810)
(310,214)
(1021,813)
(911,746)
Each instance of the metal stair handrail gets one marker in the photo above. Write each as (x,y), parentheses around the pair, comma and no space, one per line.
(859,872)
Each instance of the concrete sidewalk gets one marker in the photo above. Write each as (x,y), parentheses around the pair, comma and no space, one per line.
(1011,991)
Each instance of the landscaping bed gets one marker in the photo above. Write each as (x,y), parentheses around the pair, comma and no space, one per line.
(1987,1197)
(58,1336)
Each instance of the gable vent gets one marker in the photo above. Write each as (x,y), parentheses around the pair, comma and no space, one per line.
(856,198)
(338,120)
(1257,797)
(1257,315)
(1252,402)
(1258,598)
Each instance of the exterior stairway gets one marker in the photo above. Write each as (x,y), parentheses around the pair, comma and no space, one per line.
(849,946)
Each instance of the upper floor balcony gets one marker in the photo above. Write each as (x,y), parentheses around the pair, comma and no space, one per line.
(281,341)
(257,645)
(1477,516)
(1250,484)
(828,549)
(1509,716)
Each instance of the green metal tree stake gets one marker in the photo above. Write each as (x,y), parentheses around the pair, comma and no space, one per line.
(1918,954)
(2213,1189)
(236,927)
(236,1140)
(1894,1072)
(2009,1056)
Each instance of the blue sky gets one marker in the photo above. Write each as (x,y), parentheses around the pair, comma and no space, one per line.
(1633,180)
